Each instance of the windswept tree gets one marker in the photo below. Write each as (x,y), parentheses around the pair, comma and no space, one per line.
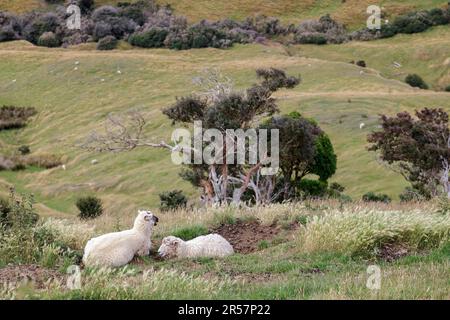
(223,109)
(219,108)
(304,149)
(417,147)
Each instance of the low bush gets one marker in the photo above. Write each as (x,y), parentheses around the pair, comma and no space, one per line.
(411,194)
(311,38)
(12,117)
(152,38)
(89,207)
(438,17)
(447,88)
(107,43)
(24,150)
(172,200)
(374,197)
(415,80)
(361,63)
(37,23)
(322,31)
(312,188)
(48,39)
(413,22)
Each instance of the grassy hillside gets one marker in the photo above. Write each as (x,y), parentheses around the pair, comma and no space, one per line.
(73,102)
(426,54)
(350,12)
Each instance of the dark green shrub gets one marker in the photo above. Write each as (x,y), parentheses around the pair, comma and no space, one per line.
(312,188)
(191,232)
(85,5)
(413,22)
(134,13)
(7,33)
(107,43)
(373,197)
(438,17)
(101,30)
(361,63)
(325,160)
(39,23)
(447,88)
(89,207)
(311,38)
(48,39)
(152,38)
(388,30)
(172,200)
(415,80)
(411,194)
(24,150)
(203,35)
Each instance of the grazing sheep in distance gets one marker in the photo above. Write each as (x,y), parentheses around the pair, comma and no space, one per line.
(211,245)
(119,248)
(362,125)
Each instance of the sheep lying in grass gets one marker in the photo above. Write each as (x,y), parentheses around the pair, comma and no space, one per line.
(118,248)
(211,245)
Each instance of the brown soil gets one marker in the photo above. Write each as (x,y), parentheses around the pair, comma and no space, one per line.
(391,252)
(245,236)
(31,273)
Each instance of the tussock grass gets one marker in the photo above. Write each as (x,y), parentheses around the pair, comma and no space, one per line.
(363,232)
(191,232)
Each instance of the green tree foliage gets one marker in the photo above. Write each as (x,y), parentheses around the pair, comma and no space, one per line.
(325,160)
(172,200)
(89,207)
(417,147)
(415,80)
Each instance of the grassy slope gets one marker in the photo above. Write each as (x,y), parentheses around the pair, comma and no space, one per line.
(73,102)
(350,12)
(426,54)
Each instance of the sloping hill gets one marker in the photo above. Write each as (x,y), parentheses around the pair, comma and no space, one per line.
(350,12)
(72,102)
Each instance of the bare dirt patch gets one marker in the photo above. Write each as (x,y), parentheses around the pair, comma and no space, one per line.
(246,236)
(29,273)
(392,252)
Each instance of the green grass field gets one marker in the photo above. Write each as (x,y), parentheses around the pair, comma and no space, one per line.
(72,102)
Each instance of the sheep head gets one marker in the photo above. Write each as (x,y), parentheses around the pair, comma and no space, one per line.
(145,220)
(170,247)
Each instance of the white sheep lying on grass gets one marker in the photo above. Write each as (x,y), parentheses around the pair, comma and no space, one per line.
(211,245)
(118,248)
